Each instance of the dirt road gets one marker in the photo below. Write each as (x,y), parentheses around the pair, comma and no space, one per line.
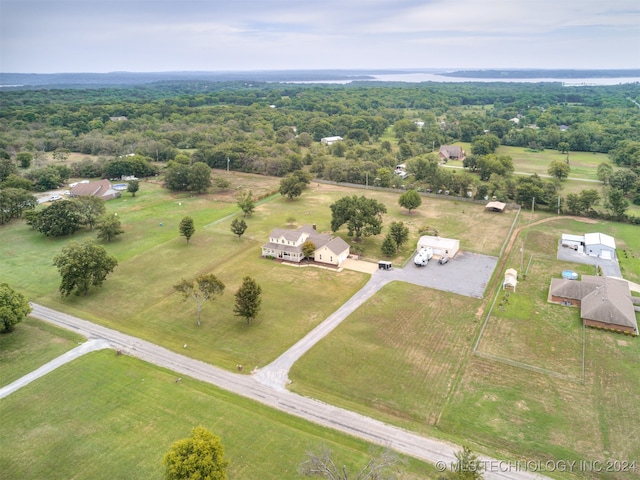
(434,451)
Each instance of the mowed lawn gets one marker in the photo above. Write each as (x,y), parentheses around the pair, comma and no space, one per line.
(139,299)
(397,357)
(31,345)
(105,416)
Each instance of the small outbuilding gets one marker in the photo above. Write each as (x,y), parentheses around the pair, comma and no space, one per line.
(600,245)
(330,140)
(495,206)
(440,246)
(510,279)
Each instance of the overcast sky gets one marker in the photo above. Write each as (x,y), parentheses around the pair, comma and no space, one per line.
(54,36)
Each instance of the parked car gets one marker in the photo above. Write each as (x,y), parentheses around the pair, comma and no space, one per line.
(53,198)
(443,259)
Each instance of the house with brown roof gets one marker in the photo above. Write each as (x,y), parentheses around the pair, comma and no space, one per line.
(287,245)
(451,152)
(605,302)
(102,189)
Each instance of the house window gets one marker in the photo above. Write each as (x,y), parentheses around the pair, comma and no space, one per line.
(331,258)
(320,256)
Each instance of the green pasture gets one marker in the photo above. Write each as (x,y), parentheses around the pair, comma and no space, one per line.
(396,357)
(405,357)
(138,298)
(105,416)
(583,164)
(32,344)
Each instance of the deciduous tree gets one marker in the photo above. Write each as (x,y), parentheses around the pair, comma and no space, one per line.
(617,203)
(199,177)
(187,228)
(559,169)
(202,289)
(133,186)
(308,249)
(291,187)
(14,307)
(90,209)
(389,246)
(604,172)
(362,215)
(200,456)
(410,200)
(246,203)
(399,232)
(59,219)
(248,300)
(83,265)
(238,227)
(109,227)
(384,465)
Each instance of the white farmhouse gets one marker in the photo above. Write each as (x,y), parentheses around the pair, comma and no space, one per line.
(287,245)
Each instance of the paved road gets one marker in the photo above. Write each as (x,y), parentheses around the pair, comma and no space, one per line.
(374,431)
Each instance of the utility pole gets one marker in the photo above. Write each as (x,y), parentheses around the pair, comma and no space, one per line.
(228,160)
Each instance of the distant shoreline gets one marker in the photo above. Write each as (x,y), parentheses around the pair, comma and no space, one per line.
(9,81)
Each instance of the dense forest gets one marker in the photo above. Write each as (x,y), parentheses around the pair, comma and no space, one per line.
(276,128)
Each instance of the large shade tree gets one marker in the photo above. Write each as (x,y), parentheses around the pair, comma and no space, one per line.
(198,457)
(362,215)
(59,219)
(202,289)
(83,265)
(14,307)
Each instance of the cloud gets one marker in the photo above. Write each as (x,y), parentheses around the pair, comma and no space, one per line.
(143,35)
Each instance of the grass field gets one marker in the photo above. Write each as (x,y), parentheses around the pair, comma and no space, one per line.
(105,416)
(405,356)
(505,410)
(156,257)
(31,345)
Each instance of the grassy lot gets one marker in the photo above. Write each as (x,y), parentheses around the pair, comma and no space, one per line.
(151,254)
(104,417)
(430,381)
(32,344)
(404,356)
(396,357)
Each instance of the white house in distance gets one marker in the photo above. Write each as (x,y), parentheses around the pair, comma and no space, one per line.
(330,140)
(287,245)
(440,246)
(593,244)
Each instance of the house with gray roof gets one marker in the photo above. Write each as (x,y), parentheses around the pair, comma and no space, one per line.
(287,245)
(605,302)
(451,152)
